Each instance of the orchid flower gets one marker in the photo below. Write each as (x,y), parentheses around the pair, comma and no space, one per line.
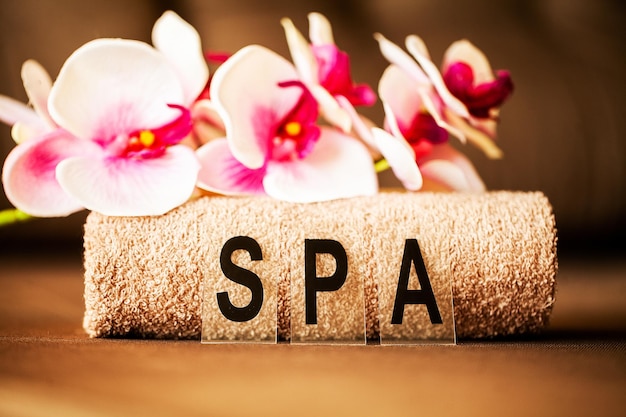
(469,77)
(414,145)
(325,70)
(434,96)
(27,122)
(448,111)
(121,108)
(273,145)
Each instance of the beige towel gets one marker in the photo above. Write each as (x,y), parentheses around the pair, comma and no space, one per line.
(144,275)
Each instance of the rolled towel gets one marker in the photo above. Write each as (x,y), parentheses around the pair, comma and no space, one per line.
(145,276)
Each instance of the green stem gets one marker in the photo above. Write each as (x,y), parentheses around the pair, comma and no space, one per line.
(381,165)
(10,216)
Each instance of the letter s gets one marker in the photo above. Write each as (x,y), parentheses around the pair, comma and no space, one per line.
(241,276)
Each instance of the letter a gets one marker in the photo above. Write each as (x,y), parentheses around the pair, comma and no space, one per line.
(424,295)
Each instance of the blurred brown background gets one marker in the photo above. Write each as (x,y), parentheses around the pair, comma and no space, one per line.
(562,130)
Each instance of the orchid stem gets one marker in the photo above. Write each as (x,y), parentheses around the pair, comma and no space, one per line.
(10,216)
(381,165)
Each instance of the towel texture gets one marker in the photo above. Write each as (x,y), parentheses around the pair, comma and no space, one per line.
(144,276)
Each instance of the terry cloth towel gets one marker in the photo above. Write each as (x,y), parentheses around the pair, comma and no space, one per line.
(144,276)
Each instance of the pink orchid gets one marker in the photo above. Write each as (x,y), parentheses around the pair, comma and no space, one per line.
(448,111)
(121,108)
(469,77)
(415,146)
(273,144)
(325,70)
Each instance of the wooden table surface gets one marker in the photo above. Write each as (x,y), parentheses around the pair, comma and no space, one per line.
(49,367)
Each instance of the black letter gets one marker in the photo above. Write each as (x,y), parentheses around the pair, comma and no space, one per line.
(313,283)
(404,295)
(241,276)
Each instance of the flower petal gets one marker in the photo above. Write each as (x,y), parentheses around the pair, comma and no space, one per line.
(465,51)
(476,137)
(320,30)
(448,167)
(37,84)
(207,124)
(436,112)
(402,100)
(308,67)
(391,122)
(13,112)
(223,174)
(330,108)
(109,87)
(416,46)
(339,167)
(395,55)
(246,93)
(29,174)
(129,186)
(205,110)
(181,44)
(401,158)
(397,89)
(446,174)
(301,53)
(360,125)
(22,132)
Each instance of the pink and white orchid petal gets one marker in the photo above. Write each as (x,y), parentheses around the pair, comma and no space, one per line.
(245,91)
(13,111)
(37,83)
(339,167)
(205,110)
(22,132)
(181,44)
(207,124)
(320,30)
(29,174)
(415,46)
(109,87)
(465,51)
(301,53)
(395,55)
(446,174)
(223,174)
(360,125)
(391,120)
(401,99)
(448,167)
(331,109)
(401,158)
(129,186)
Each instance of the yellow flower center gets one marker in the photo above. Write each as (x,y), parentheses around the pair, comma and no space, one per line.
(146,138)
(293,128)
